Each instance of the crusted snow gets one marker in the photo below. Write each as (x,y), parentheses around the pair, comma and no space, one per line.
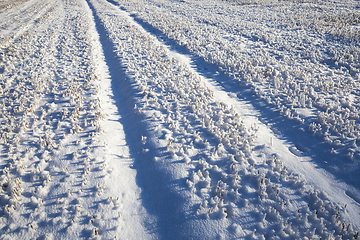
(179,119)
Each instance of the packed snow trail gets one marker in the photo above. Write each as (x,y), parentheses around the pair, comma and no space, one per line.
(57,172)
(108,134)
(190,126)
(134,222)
(271,142)
(301,60)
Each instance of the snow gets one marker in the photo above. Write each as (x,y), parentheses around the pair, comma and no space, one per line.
(179,119)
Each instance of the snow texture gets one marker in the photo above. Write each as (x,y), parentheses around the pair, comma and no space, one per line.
(168,119)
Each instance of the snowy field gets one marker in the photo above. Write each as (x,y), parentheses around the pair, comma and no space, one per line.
(179,119)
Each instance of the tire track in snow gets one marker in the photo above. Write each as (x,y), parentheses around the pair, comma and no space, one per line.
(134,220)
(128,38)
(57,179)
(155,198)
(270,143)
(172,222)
(339,161)
(49,162)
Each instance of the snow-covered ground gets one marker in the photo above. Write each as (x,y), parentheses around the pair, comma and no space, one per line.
(169,119)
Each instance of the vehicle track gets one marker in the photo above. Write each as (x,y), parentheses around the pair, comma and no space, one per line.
(108,132)
(117,106)
(270,143)
(255,51)
(155,89)
(52,158)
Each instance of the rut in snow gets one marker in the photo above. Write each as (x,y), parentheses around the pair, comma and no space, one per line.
(304,89)
(253,112)
(111,130)
(120,128)
(186,123)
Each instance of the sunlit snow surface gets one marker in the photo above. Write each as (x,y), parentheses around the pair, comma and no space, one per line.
(179,119)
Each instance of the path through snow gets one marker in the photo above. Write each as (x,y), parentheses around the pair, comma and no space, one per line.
(111,128)
(270,143)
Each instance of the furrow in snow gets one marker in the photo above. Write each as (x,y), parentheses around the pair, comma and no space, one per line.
(269,143)
(134,221)
(303,71)
(107,132)
(185,123)
(54,161)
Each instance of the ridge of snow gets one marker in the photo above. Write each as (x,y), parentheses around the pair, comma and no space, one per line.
(115,126)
